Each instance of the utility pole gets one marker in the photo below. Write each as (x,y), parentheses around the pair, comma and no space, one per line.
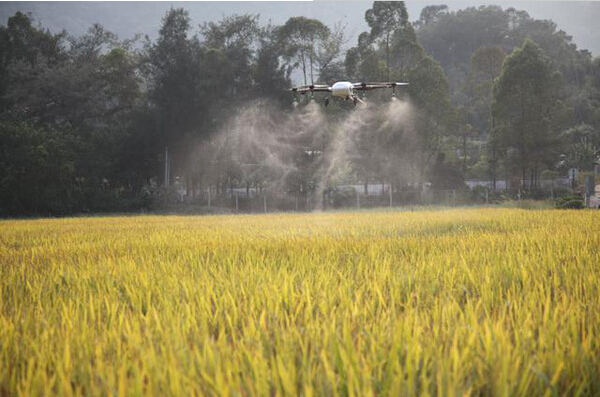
(464,167)
(167,167)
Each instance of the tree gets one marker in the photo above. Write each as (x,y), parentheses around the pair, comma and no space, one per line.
(422,125)
(486,64)
(582,144)
(452,37)
(526,104)
(384,18)
(362,62)
(300,39)
(68,107)
(234,38)
(270,76)
(328,54)
(37,169)
(176,68)
(488,60)
(430,14)
(436,119)
(24,47)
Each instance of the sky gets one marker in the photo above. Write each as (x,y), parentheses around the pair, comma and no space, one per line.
(579,19)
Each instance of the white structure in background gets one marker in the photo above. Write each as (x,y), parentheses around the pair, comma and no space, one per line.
(594,198)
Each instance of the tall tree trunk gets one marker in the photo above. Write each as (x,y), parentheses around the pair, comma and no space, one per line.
(188,185)
(523,171)
(312,80)
(304,67)
(493,120)
(387,54)
(465,153)
(531,179)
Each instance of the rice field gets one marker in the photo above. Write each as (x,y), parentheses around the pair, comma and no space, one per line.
(480,301)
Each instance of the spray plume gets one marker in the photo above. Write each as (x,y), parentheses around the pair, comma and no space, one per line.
(262,143)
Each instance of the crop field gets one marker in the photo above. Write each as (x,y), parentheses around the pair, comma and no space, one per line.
(480,301)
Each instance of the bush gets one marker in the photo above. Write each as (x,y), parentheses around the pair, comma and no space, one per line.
(569,202)
(562,191)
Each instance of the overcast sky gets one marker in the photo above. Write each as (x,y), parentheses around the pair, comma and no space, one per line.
(579,19)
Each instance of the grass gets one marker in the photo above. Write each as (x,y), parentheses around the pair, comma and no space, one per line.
(481,301)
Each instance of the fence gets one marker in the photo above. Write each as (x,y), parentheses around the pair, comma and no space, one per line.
(350,199)
(354,196)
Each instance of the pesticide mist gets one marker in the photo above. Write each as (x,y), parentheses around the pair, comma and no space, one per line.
(309,150)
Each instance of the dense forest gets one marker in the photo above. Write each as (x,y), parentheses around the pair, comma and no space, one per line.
(97,123)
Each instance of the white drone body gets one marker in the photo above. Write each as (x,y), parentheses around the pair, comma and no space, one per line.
(346,90)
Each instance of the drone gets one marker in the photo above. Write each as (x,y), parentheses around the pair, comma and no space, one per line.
(345,90)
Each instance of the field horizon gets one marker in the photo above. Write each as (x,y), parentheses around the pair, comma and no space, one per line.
(459,301)
(215,210)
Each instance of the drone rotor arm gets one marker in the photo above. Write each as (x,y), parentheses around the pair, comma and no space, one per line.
(375,85)
(311,88)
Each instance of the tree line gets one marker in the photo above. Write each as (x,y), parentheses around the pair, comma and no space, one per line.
(527,96)
(87,123)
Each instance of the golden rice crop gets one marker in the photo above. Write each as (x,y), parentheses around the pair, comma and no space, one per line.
(460,302)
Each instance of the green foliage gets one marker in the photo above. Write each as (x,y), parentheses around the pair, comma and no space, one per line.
(37,169)
(386,18)
(469,44)
(66,115)
(453,37)
(299,38)
(392,43)
(582,144)
(569,202)
(173,68)
(430,14)
(233,38)
(271,77)
(525,106)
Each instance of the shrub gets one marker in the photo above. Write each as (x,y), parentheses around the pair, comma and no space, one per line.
(569,202)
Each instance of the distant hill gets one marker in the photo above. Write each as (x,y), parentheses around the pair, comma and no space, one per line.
(578,19)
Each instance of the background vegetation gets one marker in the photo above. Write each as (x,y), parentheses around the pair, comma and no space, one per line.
(84,121)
